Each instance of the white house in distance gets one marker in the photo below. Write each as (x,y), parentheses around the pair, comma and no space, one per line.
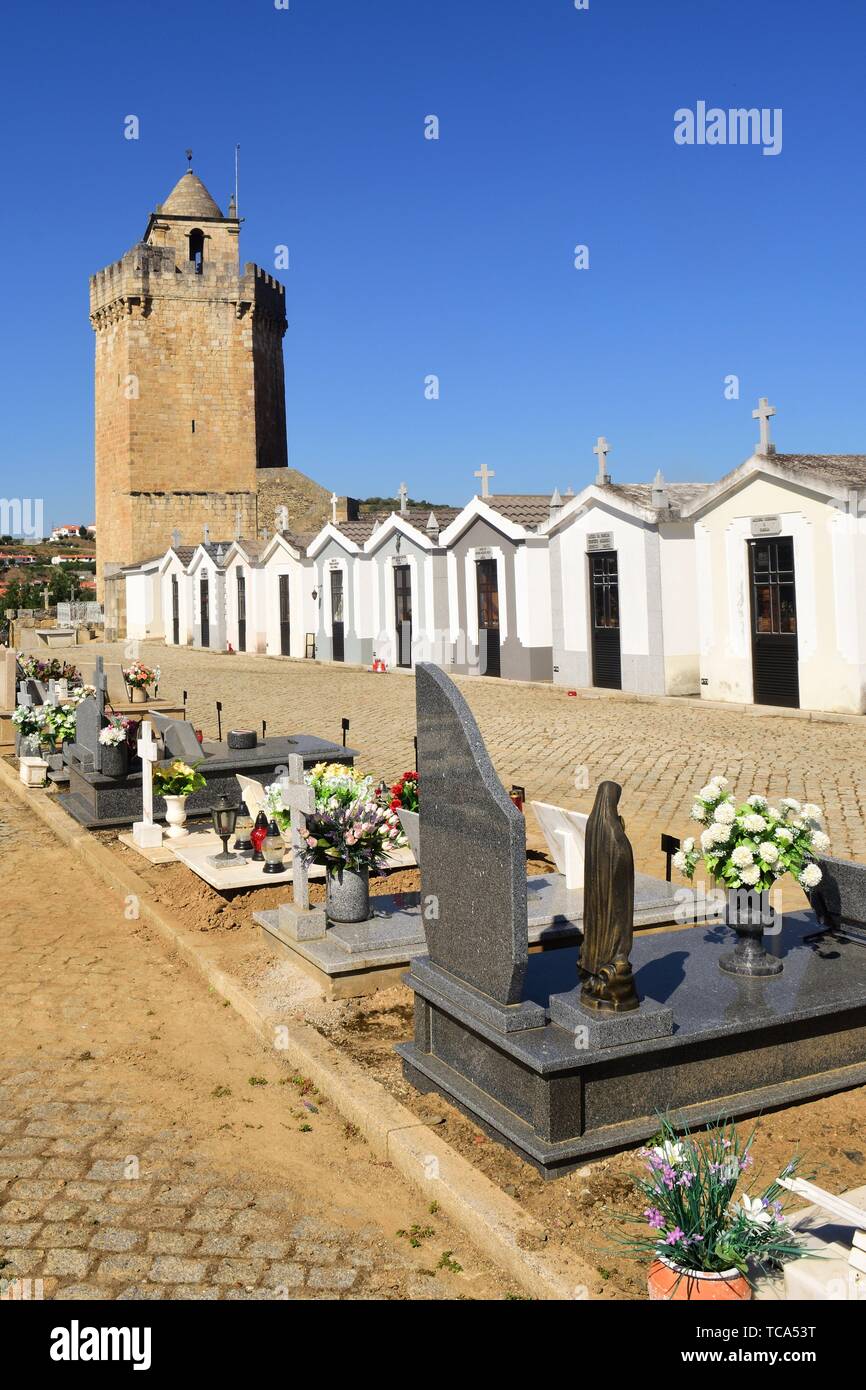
(176,595)
(781,580)
(207,584)
(499,586)
(143,596)
(409,587)
(344,616)
(622,582)
(291,612)
(246,621)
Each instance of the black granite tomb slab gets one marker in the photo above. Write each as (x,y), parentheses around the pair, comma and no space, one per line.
(99,802)
(738,1045)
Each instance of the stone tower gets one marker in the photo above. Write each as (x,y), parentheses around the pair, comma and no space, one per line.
(190,396)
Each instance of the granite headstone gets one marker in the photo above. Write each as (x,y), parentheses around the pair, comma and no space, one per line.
(178,737)
(473,873)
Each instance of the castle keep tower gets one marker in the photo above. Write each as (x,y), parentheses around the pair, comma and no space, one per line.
(190,396)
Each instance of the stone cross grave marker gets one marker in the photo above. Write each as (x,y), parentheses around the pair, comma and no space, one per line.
(334,500)
(281,518)
(764,414)
(145,834)
(403,494)
(602,449)
(485,474)
(297,918)
(473,870)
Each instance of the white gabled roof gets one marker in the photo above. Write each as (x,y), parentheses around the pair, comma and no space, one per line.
(396,522)
(330,532)
(482,509)
(832,475)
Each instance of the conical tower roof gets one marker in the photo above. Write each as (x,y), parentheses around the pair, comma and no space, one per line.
(190,198)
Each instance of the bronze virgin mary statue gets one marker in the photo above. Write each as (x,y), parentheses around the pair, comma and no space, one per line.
(608,909)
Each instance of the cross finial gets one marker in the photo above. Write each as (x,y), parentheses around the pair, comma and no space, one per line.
(175,538)
(189,161)
(403,494)
(485,474)
(334,500)
(602,449)
(205,533)
(764,414)
(237,523)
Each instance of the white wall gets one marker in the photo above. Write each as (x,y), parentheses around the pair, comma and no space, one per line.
(184,587)
(144,605)
(303,610)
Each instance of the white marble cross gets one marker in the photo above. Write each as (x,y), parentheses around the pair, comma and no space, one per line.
(281,518)
(144,832)
(485,474)
(403,494)
(602,449)
(175,538)
(764,414)
(334,500)
(300,799)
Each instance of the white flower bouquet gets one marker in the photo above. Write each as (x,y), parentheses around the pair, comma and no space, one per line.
(754,844)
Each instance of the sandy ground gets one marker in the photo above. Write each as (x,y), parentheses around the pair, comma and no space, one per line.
(100,1021)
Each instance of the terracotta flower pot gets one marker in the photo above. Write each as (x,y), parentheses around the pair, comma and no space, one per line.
(673,1283)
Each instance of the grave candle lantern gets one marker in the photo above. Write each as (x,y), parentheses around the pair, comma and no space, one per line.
(257,835)
(243,829)
(273,849)
(224,816)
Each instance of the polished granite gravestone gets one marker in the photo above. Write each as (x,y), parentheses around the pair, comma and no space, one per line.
(99,802)
(502,1035)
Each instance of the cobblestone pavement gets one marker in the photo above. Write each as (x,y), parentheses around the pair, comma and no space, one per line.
(557,746)
(150,1147)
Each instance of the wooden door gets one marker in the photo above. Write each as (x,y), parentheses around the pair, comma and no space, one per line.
(604,598)
(403,613)
(338,647)
(242,611)
(487,585)
(204,590)
(285,625)
(775,651)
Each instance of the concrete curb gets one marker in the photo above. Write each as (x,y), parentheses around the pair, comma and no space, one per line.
(496,1225)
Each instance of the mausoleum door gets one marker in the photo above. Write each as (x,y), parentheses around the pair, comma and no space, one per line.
(774,622)
(242,612)
(285,628)
(337,624)
(488,617)
(175,611)
(403,613)
(604,597)
(205,611)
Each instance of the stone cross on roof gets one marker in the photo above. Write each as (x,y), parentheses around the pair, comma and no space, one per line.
(485,474)
(334,500)
(205,534)
(175,538)
(764,413)
(403,494)
(281,518)
(602,448)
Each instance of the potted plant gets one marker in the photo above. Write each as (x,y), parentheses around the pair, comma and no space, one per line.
(57,727)
(348,834)
(138,680)
(705,1236)
(404,806)
(745,849)
(174,784)
(115,748)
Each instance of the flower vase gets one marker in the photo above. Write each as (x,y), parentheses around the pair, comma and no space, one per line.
(175,817)
(115,760)
(749,914)
(139,695)
(348,895)
(674,1283)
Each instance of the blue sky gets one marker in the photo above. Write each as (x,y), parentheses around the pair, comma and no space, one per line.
(454,257)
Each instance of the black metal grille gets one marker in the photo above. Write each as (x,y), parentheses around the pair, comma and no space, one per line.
(604,596)
(775,650)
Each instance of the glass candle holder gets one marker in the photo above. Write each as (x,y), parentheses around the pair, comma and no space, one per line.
(273,850)
(257,835)
(243,830)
